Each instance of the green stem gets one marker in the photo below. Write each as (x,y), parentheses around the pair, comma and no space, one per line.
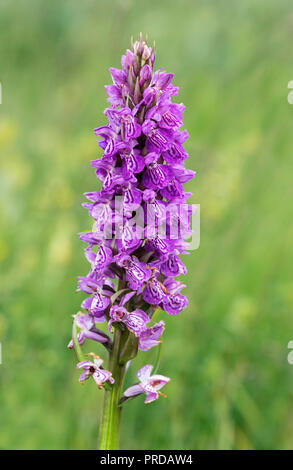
(77,348)
(110,419)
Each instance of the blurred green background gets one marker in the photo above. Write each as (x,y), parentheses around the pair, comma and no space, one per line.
(232,386)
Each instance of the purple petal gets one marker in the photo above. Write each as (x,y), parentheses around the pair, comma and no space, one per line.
(118,76)
(103,258)
(143,374)
(126,297)
(148,338)
(149,95)
(173,266)
(136,321)
(153,292)
(156,176)
(86,364)
(84,376)
(99,303)
(90,237)
(80,339)
(173,286)
(114,94)
(101,376)
(162,79)
(145,74)
(84,322)
(86,304)
(158,381)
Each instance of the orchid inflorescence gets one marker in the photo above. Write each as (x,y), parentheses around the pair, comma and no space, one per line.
(133,266)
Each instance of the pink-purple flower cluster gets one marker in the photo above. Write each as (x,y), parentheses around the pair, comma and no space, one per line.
(133,266)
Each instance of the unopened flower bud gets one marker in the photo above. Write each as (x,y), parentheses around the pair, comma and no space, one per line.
(145,75)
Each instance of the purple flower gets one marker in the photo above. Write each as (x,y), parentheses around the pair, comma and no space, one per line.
(124,121)
(162,79)
(135,320)
(156,175)
(168,116)
(154,292)
(99,260)
(94,370)
(158,140)
(173,266)
(174,303)
(149,384)
(118,76)
(149,337)
(96,305)
(88,284)
(137,272)
(129,239)
(110,139)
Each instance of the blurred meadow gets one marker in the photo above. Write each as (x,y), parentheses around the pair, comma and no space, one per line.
(232,386)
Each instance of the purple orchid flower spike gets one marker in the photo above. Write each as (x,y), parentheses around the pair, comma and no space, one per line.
(93,369)
(149,384)
(86,324)
(141,221)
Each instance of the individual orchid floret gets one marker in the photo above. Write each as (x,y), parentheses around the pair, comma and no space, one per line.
(96,305)
(149,337)
(140,224)
(174,303)
(173,266)
(135,321)
(93,369)
(86,324)
(100,260)
(149,384)
(154,292)
(88,284)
